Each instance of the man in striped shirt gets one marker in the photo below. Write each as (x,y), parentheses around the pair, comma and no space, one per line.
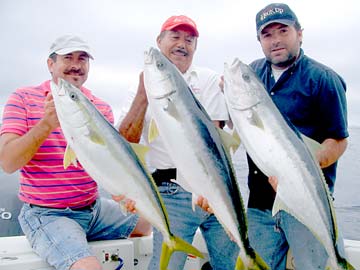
(61,208)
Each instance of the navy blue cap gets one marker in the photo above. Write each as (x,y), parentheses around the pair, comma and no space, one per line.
(275,13)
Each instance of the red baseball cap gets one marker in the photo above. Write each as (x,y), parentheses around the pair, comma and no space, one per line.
(181,20)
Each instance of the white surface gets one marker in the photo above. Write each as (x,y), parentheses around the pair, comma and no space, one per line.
(16,253)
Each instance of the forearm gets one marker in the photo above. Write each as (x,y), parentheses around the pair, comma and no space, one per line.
(16,151)
(132,125)
(331,151)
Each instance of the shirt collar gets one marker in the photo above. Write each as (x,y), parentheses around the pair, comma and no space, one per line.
(293,65)
(190,72)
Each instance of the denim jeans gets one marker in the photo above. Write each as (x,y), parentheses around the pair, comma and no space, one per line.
(60,236)
(272,236)
(184,222)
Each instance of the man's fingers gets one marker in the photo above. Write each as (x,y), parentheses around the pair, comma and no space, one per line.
(204,204)
(118,198)
(273,182)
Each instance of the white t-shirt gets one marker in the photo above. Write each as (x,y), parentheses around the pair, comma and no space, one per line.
(204,83)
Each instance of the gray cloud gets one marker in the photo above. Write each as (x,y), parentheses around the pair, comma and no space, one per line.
(119,32)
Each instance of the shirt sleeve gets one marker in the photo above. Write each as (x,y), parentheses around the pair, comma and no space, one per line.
(332,105)
(14,115)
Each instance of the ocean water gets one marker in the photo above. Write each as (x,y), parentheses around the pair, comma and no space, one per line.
(347,186)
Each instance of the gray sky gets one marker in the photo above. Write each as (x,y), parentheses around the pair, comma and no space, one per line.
(120,31)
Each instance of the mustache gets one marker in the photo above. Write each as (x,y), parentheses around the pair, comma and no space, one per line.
(184,52)
(74,71)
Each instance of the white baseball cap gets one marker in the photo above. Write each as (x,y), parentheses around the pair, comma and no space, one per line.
(69,43)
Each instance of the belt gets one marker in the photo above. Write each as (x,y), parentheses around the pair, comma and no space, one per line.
(86,207)
(160,176)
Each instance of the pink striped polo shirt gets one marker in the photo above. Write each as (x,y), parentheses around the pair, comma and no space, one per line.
(44,181)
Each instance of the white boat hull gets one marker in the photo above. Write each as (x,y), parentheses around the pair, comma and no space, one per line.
(135,254)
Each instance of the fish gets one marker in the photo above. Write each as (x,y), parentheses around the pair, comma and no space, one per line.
(198,149)
(278,149)
(118,166)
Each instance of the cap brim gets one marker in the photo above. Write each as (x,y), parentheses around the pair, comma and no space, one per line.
(194,30)
(75,49)
(282,21)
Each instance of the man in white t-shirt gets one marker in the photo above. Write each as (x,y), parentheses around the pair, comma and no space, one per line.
(177,41)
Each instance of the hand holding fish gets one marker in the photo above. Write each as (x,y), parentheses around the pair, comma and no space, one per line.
(50,116)
(204,204)
(127,203)
(273,181)
(330,151)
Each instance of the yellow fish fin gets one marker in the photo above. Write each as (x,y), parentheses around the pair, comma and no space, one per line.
(176,244)
(311,144)
(69,157)
(153,131)
(140,150)
(172,110)
(255,120)
(230,141)
(95,137)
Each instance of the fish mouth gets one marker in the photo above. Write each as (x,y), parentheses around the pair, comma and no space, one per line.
(243,107)
(164,95)
(58,87)
(149,55)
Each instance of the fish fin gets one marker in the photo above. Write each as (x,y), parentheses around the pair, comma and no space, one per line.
(236,137)
(172,110)
(253,259)
(311,144)
(239,264)
(231,142)
(140,151)
(255,120)
(153,131)
(176,244)
(69,157)
(342,261)
(95,137)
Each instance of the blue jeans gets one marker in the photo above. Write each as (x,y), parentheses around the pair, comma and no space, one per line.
(60,236)
(271,237)
(184,222)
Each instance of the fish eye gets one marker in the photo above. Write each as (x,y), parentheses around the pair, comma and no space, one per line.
(246,77)
(160,65)
(73,95)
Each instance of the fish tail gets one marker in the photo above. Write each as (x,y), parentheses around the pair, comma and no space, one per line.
(239,264)
(176,244)
(254,262)
(257,263)
(343,262)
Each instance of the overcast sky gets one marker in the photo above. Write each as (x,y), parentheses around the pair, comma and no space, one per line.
(120,31)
